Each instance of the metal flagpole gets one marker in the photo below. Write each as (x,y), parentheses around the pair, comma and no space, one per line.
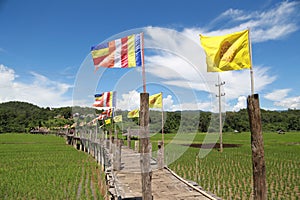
(162,129)
(143,64)
(162,119)
(122,124)
(114,124)
(251,69)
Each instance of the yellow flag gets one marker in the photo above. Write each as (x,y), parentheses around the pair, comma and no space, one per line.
(107,121)
(133,113)
(118,118)
(155,101)
(227,52)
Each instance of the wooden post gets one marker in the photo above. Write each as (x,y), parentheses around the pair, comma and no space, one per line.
(80,145)
(137,146)
(110,141)
(257,146)
(160,155)
(83,144)
(117,155)
(150,149)
(145,147)
(128,138)
(99,153)
(102,161)
(95,150)
(197,168)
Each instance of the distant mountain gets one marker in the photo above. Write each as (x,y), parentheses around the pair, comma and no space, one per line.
(21,117)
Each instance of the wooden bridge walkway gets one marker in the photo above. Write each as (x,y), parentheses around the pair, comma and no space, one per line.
(166,185)
(126,182)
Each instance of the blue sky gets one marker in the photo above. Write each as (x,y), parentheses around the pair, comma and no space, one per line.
(45,52)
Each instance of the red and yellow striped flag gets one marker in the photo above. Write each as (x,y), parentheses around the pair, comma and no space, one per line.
(106,99)
(120,53)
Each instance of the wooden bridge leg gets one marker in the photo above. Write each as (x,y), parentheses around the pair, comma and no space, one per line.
(85,146)
(146,171)
(117,155)
(95,150)
(111,141)
(99,154)
(160,155)
(74,143)
(81,146)
(128,140)
(102,158)
(137,146)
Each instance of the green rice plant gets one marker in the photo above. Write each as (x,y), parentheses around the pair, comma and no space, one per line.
(44,167)
(229,174)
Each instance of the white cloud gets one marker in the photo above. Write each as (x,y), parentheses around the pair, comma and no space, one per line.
(280,99)
(237,83)
(41,91)
(179,60)
(7,76)
(291,102)
(277,95)
(168,103)
(272,24)
(185,66)
(241,104)
(131,100)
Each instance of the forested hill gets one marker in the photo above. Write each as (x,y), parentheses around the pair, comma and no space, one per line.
(21,117)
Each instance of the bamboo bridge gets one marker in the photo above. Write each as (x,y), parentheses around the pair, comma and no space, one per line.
(122,166)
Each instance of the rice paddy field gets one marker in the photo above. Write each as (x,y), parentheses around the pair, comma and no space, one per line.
(229,174)
(44,167)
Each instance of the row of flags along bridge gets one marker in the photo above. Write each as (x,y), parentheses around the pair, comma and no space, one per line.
(223,53)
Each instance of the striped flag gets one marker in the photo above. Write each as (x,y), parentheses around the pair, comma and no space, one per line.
(106,99)
(108,112)
(120,53)
(105,114)
(101,117)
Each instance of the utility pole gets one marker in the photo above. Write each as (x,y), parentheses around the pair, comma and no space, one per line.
(220,111)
